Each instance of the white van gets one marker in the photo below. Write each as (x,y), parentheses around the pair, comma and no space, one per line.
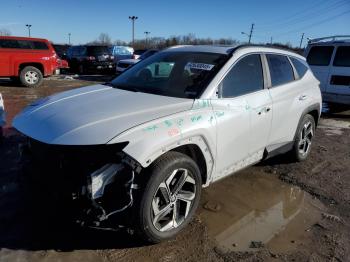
(329,60)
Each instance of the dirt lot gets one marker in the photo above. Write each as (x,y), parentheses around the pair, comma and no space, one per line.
(274,211)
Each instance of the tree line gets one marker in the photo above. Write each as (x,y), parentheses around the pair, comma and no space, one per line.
(189,39)
(164,42)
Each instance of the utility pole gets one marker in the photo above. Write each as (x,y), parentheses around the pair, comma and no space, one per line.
(133,18)
(147,33)
(250,33)
(301,40)
(69,34)
(28,26)
(271,40)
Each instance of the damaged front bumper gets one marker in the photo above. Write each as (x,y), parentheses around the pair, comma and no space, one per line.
(98,182)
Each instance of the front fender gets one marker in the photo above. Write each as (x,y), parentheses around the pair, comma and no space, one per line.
(150,140)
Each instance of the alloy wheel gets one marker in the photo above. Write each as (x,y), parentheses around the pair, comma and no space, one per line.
(306,135)
(173,200)
(31,77)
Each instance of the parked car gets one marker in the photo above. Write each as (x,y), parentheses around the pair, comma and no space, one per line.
(139,150)
(329,59)
(138,53)
(61,50)
(2,117)
(91,58)
(28,59)
(126,63)
(122,52)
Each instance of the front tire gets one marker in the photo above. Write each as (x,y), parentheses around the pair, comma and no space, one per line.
(303,138)
(170,198)
(31,76)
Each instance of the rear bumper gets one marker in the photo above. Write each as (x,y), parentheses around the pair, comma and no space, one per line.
(336,98)
(100,66)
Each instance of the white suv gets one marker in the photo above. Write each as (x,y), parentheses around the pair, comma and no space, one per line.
(329,59)
(140,148)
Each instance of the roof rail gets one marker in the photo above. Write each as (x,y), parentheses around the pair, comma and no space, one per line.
(330,38)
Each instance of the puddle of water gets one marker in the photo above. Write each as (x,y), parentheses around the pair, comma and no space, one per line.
(248,211)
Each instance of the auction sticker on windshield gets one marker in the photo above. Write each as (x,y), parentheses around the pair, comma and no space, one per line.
(200,66)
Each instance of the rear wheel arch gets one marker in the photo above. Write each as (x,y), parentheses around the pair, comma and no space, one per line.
(314,111)
(39,66)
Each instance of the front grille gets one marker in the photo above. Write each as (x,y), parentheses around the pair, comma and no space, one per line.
(67,167)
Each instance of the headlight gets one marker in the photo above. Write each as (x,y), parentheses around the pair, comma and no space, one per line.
(102,177)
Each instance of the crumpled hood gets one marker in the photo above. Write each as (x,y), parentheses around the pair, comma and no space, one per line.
(93,115)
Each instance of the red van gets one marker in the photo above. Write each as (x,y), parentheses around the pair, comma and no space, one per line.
(28,59)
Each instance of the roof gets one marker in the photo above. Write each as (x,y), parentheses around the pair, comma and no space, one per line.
(23,38)
(331,39)
(229,49)
(202,48)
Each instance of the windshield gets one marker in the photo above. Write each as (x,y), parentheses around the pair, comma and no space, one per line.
(175,74)
(98,50)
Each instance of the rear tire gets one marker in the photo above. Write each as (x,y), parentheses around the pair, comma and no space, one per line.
(31,76)
(303,139)
(170,198)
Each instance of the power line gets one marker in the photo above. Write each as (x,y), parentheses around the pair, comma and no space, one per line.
(315,24)
(310,16)
(294,15)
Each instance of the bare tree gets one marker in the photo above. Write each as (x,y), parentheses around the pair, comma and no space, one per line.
(4,32)
(104,39)
(120,42)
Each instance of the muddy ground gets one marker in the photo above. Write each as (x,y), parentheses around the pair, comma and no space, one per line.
(274,211)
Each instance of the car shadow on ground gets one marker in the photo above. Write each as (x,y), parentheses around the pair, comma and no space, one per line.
(25,225)
(10,83)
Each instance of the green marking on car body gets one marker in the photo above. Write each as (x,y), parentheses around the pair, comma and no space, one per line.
(168,123)
(179,122)
(151,128)
(201,104)
(196,118)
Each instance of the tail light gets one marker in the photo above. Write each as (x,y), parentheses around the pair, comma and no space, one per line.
(91,58)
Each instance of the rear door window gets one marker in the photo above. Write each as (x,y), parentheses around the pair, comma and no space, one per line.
(299,66)
(342,56)
(281,70)
(23,44)
(40,45)
(8,43)
(320,55)
(245,77)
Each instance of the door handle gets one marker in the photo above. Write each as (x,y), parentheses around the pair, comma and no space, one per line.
(302,97)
